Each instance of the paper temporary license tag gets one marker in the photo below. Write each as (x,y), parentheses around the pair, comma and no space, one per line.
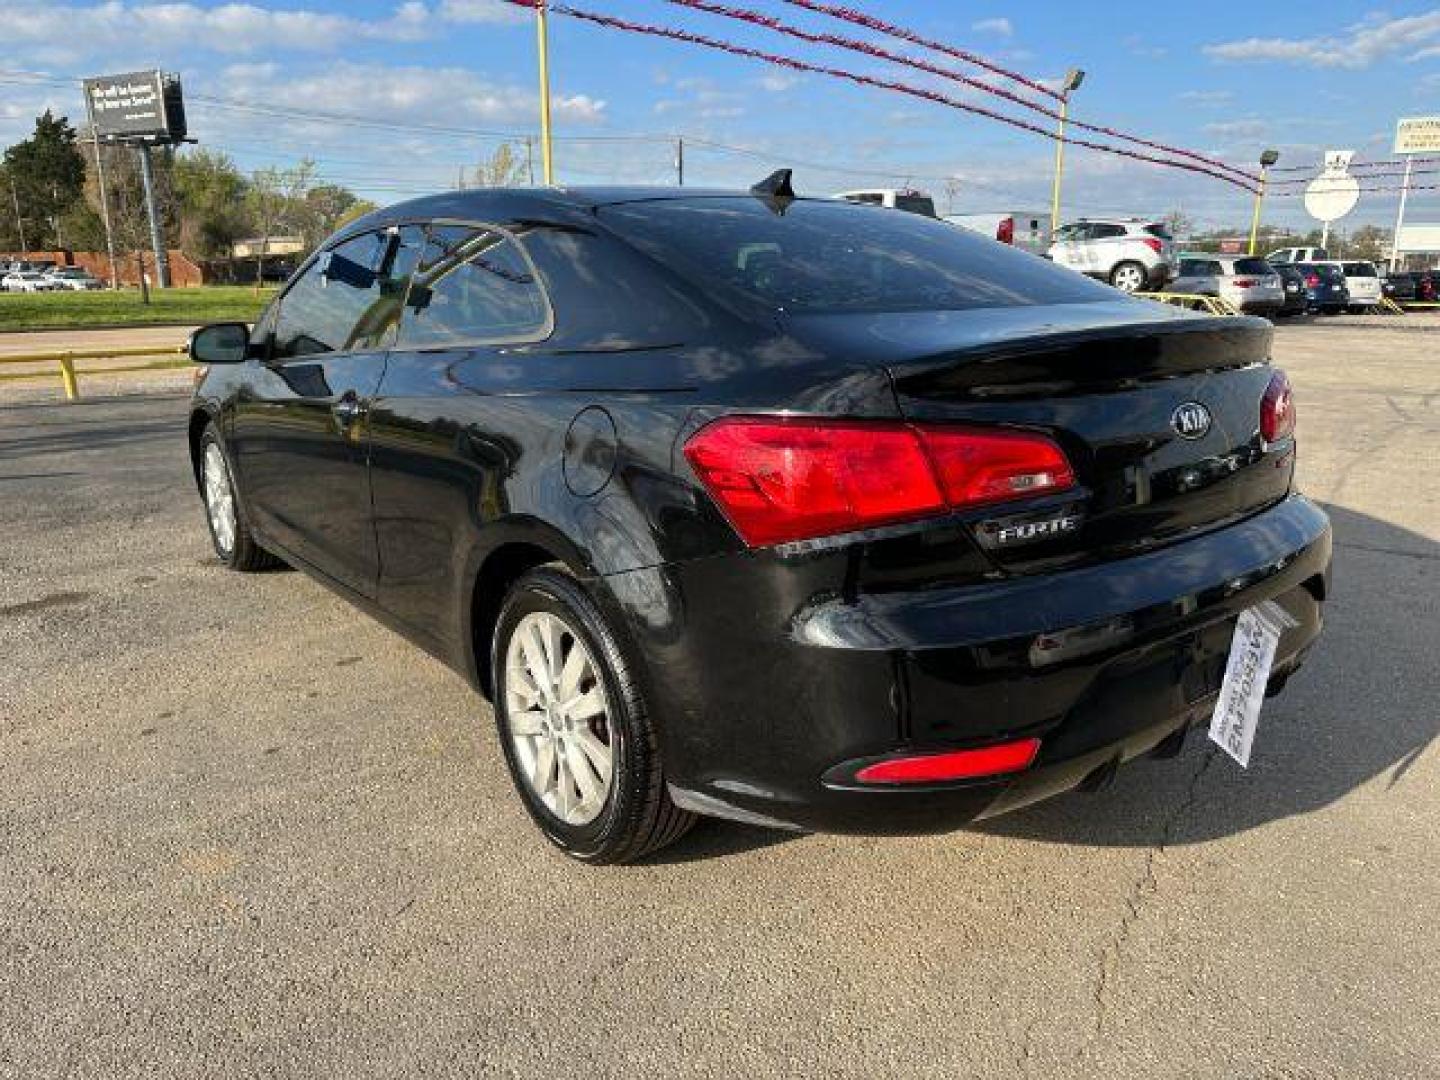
(1252,651)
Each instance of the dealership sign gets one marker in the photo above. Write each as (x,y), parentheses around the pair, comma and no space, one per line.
(143,106)
(1417,135)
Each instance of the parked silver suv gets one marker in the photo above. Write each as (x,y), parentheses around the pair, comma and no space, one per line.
(1129,253)
(1247,281)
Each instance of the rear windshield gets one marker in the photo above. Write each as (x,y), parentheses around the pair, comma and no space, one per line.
(916,204)
(1253,266)
(1364,269)
(1324,273)
(830,256)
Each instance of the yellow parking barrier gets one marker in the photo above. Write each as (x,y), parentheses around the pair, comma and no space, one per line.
(1386,304)
(1215,305)
(65,361)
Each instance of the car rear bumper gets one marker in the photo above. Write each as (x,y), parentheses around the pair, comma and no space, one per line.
(768,686)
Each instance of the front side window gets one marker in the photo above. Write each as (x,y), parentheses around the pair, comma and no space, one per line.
(472,285)
(329,309)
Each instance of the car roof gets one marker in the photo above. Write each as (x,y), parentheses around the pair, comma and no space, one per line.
(542,203)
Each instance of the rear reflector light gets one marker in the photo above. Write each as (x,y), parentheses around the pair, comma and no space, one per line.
(1153,244)
(954,765)
(1005,233)
(1245,283)
(779,480)
(1277,409)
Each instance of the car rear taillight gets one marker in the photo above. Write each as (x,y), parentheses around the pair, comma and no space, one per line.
(1245,283)
(953,765)
(780,479)
(1312,280)
(1277,409)
(1153,244)
(1005,233)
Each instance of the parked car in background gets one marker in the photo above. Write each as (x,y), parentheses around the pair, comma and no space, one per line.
(72,278)
(1128,253)
(1297,300)
(1398,286)
(1028,230)
(1363,282)
(916,202)
(1325,290)
(1410,286)
(806,514)
(1297,255)
(18,266)
(27,281)
(1247,281)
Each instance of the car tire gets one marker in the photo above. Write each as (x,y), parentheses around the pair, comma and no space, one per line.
(574,725)
(230,535)
(1128,277)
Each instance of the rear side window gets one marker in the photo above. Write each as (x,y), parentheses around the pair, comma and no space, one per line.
(328,308)
(1253,266)
(1160,229)
(472,285)
(823,256)
(1106,232)
(916,204)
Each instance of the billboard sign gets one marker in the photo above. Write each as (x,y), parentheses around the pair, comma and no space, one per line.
(1418,238)
(1417,135)
(140,106)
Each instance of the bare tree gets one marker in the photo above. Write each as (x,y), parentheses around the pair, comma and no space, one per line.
(504,168)
(275,197)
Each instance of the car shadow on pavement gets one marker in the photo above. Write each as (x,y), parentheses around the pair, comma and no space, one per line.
(1361,710)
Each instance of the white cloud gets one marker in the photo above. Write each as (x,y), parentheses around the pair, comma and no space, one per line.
(1207,97)
(378,92)
(1248,128)
(1001,27)
(84,29)
(1359,46)
(481,11)
(777,82)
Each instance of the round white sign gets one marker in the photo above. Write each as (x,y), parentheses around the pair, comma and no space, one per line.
(1334,193)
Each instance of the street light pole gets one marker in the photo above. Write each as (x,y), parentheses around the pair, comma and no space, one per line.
(542,36)
(1073,78)
(1268,158)
(19,221)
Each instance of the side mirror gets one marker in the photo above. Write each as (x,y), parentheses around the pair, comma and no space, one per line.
(219,343)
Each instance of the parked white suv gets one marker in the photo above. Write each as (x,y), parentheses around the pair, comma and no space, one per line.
(1129,253)
(1363,280)
(1297,255)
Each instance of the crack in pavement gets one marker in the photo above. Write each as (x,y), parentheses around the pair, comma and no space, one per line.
(1145,887)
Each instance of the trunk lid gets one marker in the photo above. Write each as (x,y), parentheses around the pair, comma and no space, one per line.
(1157,410)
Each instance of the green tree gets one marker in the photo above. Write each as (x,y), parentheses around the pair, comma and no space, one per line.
(47,175)
(275,199)
(504,168)
(326,207)
(210,192)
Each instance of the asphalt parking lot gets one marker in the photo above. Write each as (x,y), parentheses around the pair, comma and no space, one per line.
(246,831)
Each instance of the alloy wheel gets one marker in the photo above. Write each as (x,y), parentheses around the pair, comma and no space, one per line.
(557,713)
(1128,278)
(219,498)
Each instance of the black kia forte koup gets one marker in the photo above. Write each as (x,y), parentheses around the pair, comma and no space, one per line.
(784,510)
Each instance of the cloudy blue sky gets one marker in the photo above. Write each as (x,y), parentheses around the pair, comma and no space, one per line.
(402,96)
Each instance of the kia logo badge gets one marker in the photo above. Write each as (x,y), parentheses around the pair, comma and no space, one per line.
(1191,420)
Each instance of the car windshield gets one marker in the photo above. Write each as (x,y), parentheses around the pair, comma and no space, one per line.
(824,256)
(1359,269)
(1252,266)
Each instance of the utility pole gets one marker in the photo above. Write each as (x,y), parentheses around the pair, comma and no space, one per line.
(542,37)
(680,162)
(19,221)
(157,231)
(1395,257)
(1073,78)
(104,195)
